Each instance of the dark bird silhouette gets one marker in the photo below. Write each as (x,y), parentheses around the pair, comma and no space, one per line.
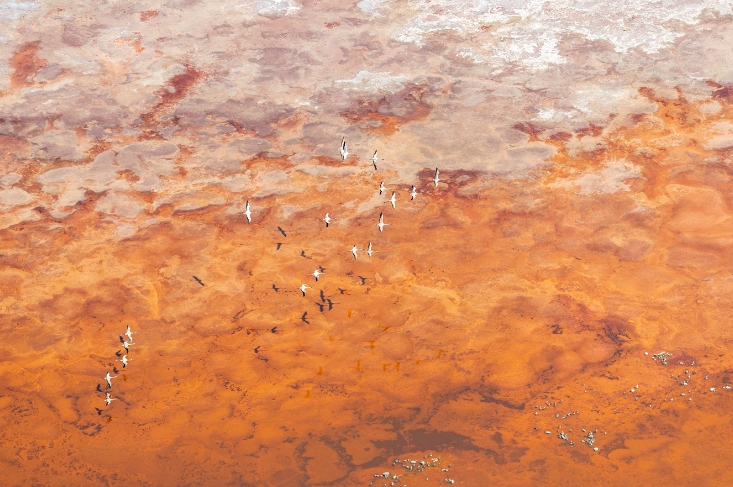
(363,280)
(115,370)
(198,280)
(282,231)
(330,304)
(122,339)
(119,354)
(257,350)
(274,329)
(321,269)
(303,318)
(302,253)
(320,305)
(99,411)
(323,297)
(99,388)
(278,245)
(275,288)
(342,291)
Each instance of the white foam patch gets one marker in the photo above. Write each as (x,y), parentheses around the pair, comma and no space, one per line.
(725,138)
(119,204)
(277,7)
(610,179)
(373,7)
(14,197)
(527,32)
(14,10)
(366,81)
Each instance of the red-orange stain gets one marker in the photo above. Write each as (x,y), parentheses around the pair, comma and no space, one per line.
(148,14)
(569,293)
(25,64)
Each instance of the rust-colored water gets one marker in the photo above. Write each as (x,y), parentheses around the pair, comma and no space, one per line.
(491,309)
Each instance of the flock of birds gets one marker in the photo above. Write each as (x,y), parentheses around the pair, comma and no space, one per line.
(125,361)
(316,274)
(327,219)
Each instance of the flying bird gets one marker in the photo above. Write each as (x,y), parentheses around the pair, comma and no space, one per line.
(127,346)
(129,333)
(320,305)
(323,296)
(381,223)
(393,200)
(374,160)
(317,273)
(248,213)
(343,149)
(327,219)
(353,251)
(108,399)
(275,288)
(282,231)
(363,280)
(369,249)
(109,378)
(330,304)
(124,361)
(436,178)
(413,193)
(382,189)
(303,287)
(302,318)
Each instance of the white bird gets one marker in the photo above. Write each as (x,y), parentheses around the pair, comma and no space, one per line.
(317,273)
(109,399)
(343,150)
(327,219)
(413,193)
(248,213)
(436,178)
(382,189)
(303,287)
(393,200)
(369,249)
(127,346)
(381,223)
(109,378)
(374,160)
(129,333)
(353,251)
(124,360)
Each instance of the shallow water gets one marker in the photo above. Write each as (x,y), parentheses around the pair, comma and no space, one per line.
(567,276)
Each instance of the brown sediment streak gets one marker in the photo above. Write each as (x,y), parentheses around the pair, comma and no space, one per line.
(170,95)
(148,14)
(25,64)
(369,113)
